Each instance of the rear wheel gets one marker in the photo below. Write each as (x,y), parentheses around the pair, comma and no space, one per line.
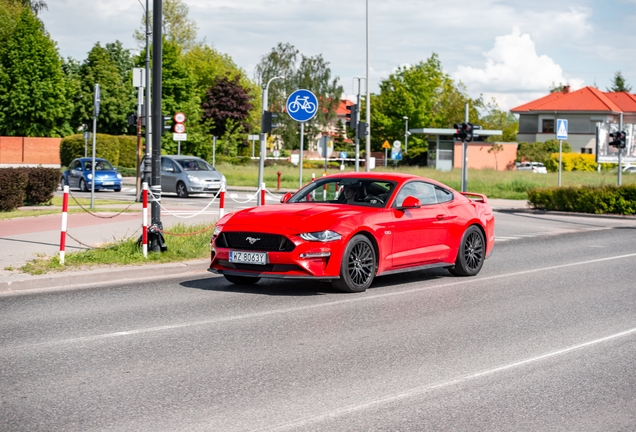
(241,280)
(358,266)
(471,255)
(182,190)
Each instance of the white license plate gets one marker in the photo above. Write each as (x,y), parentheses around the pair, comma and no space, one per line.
(259,258)
(108,183)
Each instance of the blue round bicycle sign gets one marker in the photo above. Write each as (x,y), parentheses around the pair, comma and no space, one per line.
(302,105)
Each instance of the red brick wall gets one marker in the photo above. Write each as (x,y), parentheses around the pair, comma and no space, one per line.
(28,150)
(479,158)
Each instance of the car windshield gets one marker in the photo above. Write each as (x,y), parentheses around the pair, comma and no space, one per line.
(194,165)
(354,191)
(99,166)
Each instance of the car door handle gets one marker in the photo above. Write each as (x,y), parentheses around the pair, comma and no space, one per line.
(441,216)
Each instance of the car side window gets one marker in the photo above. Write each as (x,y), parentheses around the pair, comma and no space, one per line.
(77,165)
(425,192)
(443,195)
(167,165)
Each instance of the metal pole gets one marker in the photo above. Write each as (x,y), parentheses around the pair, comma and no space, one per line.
(368,103)
(147,153)
(465,156)
(300,162)
(261,163)
(620,153)
(560,159)
(357,139)
(86,135)
(157,54)
(93,161)
(406,134)
(214,151)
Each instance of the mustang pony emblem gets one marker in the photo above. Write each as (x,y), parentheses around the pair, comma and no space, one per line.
(252,240)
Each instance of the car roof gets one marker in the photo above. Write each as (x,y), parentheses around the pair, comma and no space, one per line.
(396,177)
(87,159)
(181,157)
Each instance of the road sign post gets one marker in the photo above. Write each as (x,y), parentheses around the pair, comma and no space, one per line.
(302,106)
(562,134)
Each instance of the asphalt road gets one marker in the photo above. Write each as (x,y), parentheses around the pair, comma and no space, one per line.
(544,338)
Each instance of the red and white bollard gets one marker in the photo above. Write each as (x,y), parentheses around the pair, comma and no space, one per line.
(263,194)
(222,202)
(144,221)
(64,222)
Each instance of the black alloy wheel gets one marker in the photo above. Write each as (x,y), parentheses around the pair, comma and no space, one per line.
(472,253)
(182,190)
(358,266)
(241,280)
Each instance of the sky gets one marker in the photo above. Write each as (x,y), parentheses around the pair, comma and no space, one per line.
(512,51)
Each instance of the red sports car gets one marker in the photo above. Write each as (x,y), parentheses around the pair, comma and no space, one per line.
(350,228)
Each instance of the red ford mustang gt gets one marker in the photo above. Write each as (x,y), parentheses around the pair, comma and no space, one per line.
(349,228)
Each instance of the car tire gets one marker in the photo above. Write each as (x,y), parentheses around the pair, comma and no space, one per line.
(241,280)
(182,190)
(63,183)
(82,186)
(117,190)
(358,266)
(471,254)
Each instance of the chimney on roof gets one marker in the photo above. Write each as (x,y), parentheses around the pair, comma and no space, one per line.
(566,89)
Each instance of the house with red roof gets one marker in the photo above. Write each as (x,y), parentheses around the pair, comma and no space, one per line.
(583,109)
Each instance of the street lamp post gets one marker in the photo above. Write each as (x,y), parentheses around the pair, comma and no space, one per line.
(368,104)
(406,134)
(261,163)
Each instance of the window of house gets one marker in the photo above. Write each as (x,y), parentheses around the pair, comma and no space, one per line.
(548,125)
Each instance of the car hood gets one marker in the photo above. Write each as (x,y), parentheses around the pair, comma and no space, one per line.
(204,175)
(292,218)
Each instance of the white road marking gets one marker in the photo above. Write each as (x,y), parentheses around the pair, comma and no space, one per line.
(358,298)
(417,391)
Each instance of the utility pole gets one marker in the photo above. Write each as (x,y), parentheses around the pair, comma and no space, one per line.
(465,155)
(357,136)
(368,103)
(147,153)
(96,103)
(155,236)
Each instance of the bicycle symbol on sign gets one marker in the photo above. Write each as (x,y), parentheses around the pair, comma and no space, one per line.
(302,103)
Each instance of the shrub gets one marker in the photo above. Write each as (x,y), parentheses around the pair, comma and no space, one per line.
(14,182)
(106,146)
(128,151)
(540,151)
(572,162)
(42,183)
(586,199)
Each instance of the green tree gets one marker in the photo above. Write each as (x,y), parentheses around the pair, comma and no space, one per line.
(32,86)
(424,94)
(619,84)
(496,119)
(118,98)
(311,73)
(35,5)
(177,27)
(339,143)
(9,15)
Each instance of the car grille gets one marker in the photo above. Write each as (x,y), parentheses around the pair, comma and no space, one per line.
(265,242)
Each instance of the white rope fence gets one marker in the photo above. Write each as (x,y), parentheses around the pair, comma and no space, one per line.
(244,202)
(176,213)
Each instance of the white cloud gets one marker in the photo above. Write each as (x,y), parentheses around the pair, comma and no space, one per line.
(514,68)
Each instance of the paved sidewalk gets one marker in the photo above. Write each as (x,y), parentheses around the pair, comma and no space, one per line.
(24,239)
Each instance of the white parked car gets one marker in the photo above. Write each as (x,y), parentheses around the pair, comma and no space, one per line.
(535,167)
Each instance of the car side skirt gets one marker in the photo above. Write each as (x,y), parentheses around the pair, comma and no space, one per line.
(416,268)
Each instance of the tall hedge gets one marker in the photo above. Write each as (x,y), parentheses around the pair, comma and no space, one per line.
(14,182)
(586,199)
(119,150)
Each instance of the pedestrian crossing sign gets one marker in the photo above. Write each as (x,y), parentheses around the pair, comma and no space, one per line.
(562,129)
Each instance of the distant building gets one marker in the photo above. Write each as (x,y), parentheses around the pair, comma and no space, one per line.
(583,109)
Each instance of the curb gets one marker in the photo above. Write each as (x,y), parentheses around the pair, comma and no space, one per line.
(562,213)
(114,275)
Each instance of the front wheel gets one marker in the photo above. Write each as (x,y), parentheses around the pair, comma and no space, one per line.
(471,255)
(358,266)
(182,190)
(241,280)
(82,186)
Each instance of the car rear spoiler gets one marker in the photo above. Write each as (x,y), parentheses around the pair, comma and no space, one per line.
(475,197)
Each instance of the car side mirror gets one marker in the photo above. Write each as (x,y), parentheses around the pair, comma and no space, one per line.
(410,202)
(286,197)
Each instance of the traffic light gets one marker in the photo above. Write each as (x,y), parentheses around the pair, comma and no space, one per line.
(469,130)
(267,122)
(363,129)
(351,116)
(166,124)
(618,139)
(460,131)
